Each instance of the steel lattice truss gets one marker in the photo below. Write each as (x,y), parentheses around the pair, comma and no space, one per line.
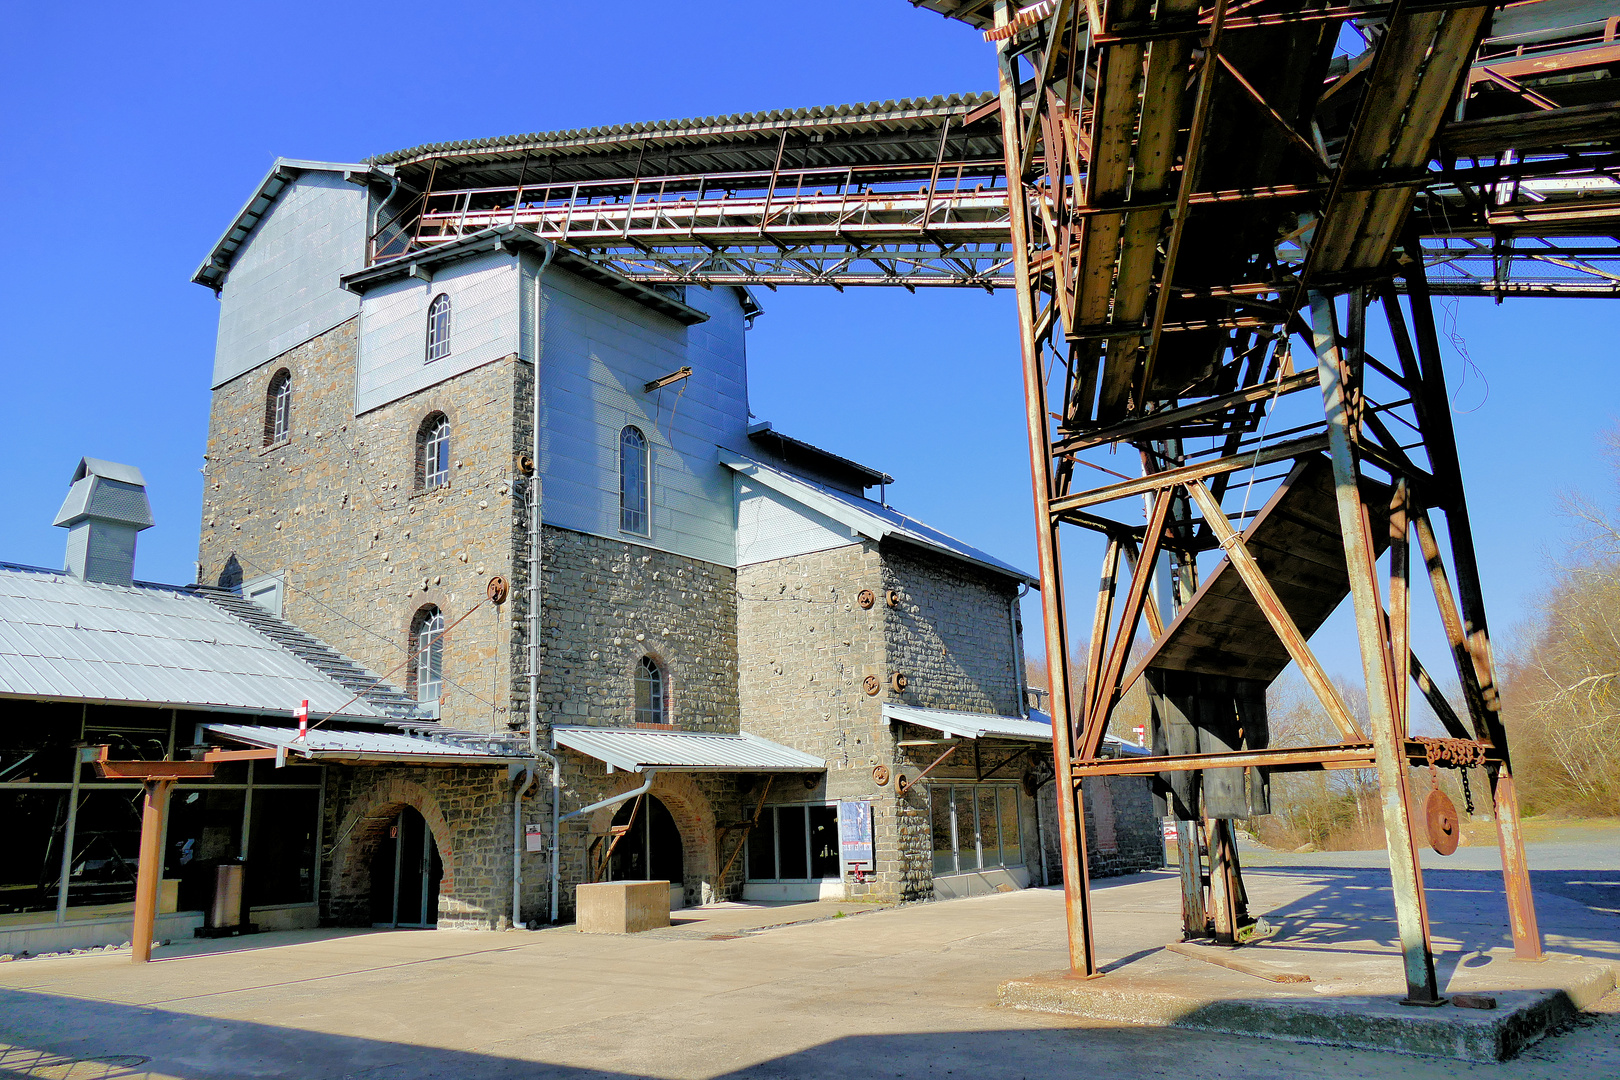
(1199,205)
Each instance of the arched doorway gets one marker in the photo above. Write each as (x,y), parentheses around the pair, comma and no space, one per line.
(650,849)
(405,874)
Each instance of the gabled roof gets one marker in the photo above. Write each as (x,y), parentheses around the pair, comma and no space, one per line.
(214,268)
(871,520)
(637,750)
(803,454)
(63,639)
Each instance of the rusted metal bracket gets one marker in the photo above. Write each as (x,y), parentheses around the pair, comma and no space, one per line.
(906,785)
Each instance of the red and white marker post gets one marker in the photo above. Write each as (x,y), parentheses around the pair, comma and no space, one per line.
(301,714)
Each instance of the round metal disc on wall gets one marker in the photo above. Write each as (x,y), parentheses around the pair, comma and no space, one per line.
(880,775)
(497,590)
(866,598)
(1441,817)
(870,684)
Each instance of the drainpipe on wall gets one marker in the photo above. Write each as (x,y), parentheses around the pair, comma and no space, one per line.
(517,844)
(651,774)
(535,594)
(1018,651)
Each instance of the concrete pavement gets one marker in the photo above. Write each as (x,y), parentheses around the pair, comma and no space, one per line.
(902,992)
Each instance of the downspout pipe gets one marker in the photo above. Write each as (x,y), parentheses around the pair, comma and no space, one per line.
(535,593)
(556,821)
(517,843)
(1019,674)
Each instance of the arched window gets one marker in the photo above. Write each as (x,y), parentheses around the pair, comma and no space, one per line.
(438,328)
(652,693)
(278,408)
(427,641)
(433,452)
(633,481)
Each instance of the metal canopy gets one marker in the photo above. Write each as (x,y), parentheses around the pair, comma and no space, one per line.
(637,749)
(326,744)
(1037,727)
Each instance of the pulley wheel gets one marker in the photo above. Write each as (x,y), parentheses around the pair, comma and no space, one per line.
(1441,816)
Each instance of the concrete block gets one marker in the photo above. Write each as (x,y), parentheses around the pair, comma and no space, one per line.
(621,907)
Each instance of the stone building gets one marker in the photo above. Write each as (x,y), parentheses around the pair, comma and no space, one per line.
(727,648)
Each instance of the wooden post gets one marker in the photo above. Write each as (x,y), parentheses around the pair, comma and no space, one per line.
(149,868)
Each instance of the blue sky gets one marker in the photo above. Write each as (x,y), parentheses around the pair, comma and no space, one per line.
(133,135)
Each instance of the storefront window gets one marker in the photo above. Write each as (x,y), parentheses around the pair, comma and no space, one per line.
(795,843)
(48,807)
(975,827)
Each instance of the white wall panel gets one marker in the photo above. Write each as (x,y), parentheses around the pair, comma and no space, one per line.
(772,526)
(484,326)
(283,288)
(599,350)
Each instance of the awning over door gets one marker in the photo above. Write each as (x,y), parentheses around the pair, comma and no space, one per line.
(637,749)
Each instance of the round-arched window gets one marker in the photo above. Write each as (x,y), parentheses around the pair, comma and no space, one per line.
(278,408)
(633,469)
(438,328)
(652,692)
(427,641)
(433,452)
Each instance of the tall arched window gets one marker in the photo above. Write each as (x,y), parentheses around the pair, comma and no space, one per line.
(652,693)
(438,328)
(633,481)
(427,640)
(278,408)
(433,452)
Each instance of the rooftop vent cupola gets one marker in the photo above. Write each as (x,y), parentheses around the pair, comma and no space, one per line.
(104,510)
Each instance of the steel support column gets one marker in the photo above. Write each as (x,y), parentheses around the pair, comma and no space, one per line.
(1070,804)
(1340,395)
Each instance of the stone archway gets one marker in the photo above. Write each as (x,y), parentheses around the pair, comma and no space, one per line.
(694,820)
(363,829)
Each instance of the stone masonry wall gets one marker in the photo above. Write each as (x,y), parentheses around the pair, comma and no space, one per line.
(951,634)
(807,649)
(469,813)
(333,506)
(607,604)
(1133,844)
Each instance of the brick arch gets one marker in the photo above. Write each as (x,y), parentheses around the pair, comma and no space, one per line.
(694,820)
(363,829)
(664,655)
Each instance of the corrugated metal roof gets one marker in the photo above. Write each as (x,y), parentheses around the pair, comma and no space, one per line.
(966,725)
(636,749)
(329,745)
(716,128)
(66,639)
(866,517)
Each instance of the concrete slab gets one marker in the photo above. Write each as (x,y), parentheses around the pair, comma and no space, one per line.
(1347,1002)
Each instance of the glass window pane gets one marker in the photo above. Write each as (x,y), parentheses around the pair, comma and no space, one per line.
(1012,848)
(205,829)
(106,847)
(989,828)
(762,847)
(31,849)
(792,848)
(944,846)
(824,857)
(281,847)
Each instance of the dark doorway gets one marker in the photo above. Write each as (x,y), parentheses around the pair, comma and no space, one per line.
(651,849)
(405,874)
